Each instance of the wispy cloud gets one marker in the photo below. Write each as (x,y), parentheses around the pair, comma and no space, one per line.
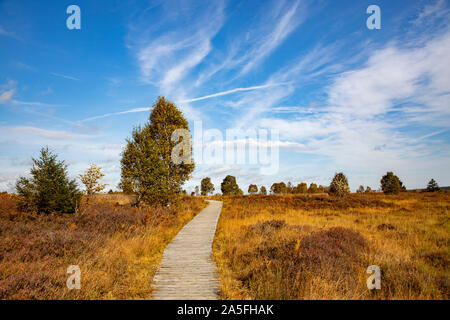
(134,110)
(224,93)
(64,76)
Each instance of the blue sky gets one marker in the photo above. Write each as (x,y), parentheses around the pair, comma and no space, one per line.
(343,97)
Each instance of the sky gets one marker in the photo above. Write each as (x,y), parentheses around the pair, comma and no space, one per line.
(343,97)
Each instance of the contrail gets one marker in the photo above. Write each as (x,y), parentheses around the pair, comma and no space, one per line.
(223,93)
(117,113)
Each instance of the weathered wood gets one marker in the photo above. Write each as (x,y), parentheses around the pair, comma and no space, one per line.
(187,270)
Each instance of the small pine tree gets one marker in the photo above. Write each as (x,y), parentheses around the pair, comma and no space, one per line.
(433,186)
(368,189)
(360,189)
(339,185)
(49,189)
(206,186)
(252,189)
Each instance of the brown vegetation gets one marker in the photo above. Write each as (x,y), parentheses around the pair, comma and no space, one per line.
(116,246)
(319,247)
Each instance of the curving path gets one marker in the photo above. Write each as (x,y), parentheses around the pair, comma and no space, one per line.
(186,270)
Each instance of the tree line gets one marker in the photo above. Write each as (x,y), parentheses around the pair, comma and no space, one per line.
(148,172)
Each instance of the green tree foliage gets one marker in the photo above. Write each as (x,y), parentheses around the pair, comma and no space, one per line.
(391,184)
(147,166)
(313,188)
(49,189)
(263,190)
(433,186)
(278,188)
(229,186)
(206,186)
(339,185)
(252,189)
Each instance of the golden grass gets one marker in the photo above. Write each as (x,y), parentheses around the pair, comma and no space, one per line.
(116,246)
(407,236)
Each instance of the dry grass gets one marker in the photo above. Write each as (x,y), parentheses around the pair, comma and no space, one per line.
(116,246)
(319,247)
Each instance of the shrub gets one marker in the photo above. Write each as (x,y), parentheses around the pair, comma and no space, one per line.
(339,185)
(49,188)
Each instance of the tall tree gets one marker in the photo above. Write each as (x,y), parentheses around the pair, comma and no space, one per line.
(206,186)
(253,189)
(229,186)
(148,166)
(390,183)
(433,186)
(49,190)
(339,185)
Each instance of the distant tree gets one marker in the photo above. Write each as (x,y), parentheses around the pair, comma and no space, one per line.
(91,179)
(312,188)
(321,189)
(196,191)
(301,188)
(252,189)
(391,184)
(192,193)
(360,189)
(110,191)
(289,188)
(49,189)
(147,165)
(229,186)
(339,185)
(278,188)
(262,190)
(206,186)
(433,186)
(368,189)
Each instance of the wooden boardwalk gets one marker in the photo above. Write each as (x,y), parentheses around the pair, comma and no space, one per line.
(187,270)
